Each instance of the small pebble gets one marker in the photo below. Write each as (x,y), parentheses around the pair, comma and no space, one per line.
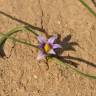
(59,22)
(35,76)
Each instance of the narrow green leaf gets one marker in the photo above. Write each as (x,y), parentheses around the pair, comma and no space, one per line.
(29,29)
(19,41)
(89,8)
(6,35)
(58,61)
(3,40)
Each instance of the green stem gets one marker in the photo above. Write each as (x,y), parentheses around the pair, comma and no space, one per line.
(19,41)
(20,28)
(11,32)
(58,61)
(90,9)
(28,29)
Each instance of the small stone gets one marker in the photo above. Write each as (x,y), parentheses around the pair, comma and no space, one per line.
(35,76)
(59,22)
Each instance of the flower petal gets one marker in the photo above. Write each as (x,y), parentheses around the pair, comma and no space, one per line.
(52,39)
(40,55)
(41,39)
(41,45)
(55,46)
(52,52)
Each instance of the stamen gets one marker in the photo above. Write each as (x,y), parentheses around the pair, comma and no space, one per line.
(46,47)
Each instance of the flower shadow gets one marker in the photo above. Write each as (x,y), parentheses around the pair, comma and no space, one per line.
(70,46)
(94,2)
(2,53)
(67,45)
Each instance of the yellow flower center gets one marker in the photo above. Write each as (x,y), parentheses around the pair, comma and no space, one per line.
(46,47)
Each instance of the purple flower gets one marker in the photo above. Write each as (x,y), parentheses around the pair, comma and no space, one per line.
(47,46)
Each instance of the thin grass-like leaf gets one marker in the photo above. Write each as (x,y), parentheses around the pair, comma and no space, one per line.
(19,41)
(89,8)
(58,61)
(29,29)
(3,39)
(6,35)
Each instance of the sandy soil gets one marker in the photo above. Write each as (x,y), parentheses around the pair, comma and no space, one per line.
(22,75)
